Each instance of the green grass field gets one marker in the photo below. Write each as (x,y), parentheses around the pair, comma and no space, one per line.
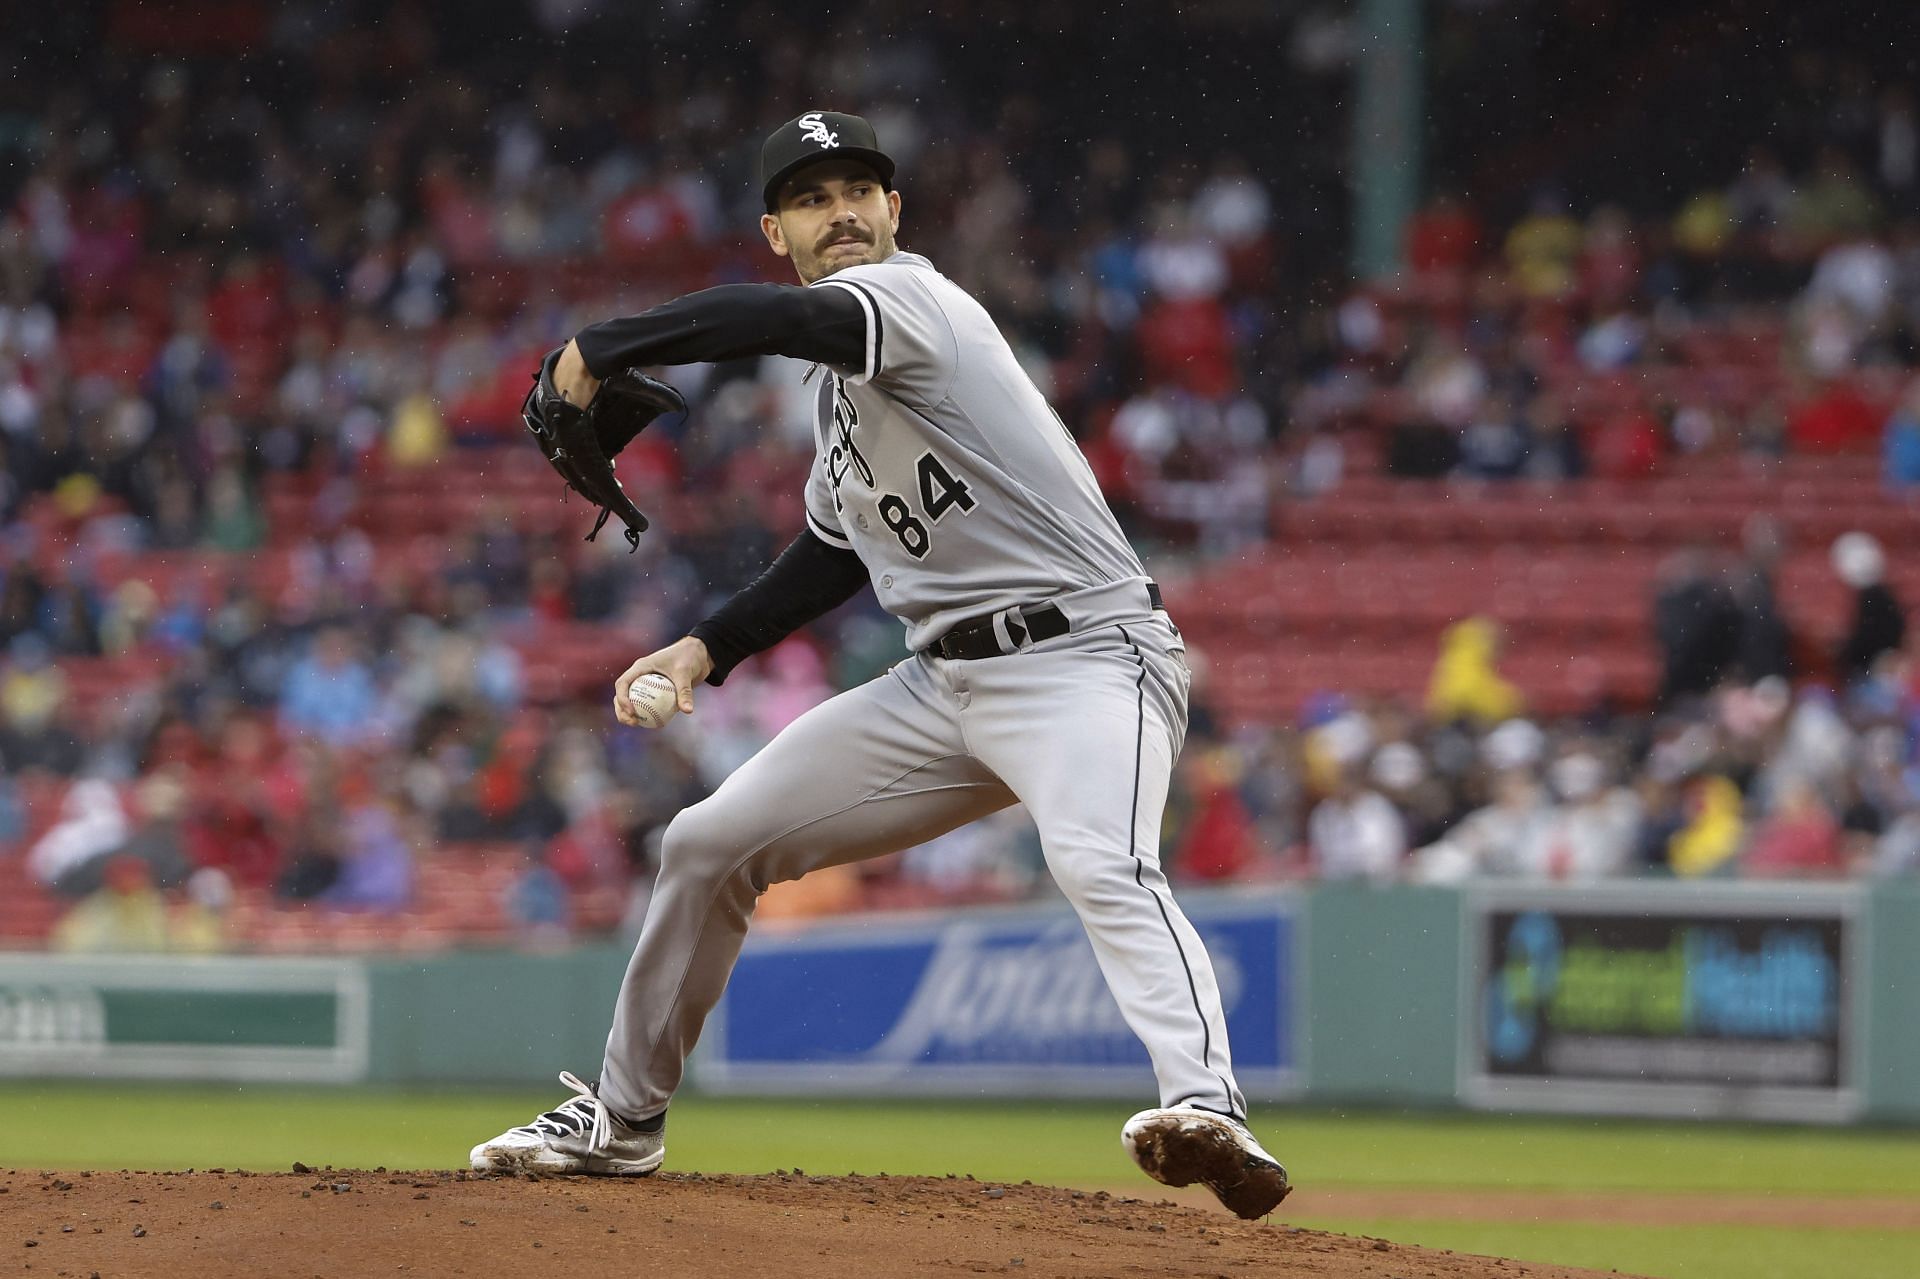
(162,1127)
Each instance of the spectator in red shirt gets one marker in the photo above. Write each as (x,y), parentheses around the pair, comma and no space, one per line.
(1838,419)
(1218,842)
(1610,259)
(1444,236)
(1799,839)
(1628,446)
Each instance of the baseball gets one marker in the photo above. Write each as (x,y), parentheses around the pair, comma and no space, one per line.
(654,700)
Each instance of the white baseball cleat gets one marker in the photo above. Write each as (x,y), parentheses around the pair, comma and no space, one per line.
(1184,1144)
(581,1136)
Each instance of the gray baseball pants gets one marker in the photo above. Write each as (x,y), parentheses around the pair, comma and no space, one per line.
(1083,729)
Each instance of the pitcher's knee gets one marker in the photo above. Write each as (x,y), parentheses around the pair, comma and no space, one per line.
(699,846)
(1091,881)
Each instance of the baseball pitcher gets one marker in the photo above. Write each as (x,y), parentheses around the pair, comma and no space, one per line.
(1044,670)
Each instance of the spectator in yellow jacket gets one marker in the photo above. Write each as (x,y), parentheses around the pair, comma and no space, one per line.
(1465,684)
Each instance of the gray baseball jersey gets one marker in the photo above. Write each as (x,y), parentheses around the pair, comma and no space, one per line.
(943,467)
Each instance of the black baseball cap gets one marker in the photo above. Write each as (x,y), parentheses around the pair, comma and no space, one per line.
(818,135)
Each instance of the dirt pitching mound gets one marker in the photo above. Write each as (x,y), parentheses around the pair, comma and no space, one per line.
(332,1223)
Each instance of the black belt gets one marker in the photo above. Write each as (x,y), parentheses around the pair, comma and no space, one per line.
(976,637)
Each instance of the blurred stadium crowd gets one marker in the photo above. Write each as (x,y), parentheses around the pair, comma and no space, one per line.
(288,615)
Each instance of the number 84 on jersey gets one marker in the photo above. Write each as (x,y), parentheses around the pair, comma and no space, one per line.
(939,491)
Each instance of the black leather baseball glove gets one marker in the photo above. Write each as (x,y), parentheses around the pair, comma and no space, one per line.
(581,443)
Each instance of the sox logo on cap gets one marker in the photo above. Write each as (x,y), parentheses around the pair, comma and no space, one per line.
(814,129)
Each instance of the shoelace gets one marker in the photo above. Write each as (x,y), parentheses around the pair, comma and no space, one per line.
(582,1114)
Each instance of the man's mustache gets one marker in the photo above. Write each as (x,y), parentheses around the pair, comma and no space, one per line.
(830,240)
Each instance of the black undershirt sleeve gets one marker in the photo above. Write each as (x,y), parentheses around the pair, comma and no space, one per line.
(809,580)
(730,321)
(828,326)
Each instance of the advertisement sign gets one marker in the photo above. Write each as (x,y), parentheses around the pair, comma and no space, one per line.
(1003,1002)
(1664,999)
(281,1020)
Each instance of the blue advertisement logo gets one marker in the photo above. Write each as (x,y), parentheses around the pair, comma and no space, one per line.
(983,995)
(1519,987)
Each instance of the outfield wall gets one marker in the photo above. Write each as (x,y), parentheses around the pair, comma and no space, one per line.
(1795,1002)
